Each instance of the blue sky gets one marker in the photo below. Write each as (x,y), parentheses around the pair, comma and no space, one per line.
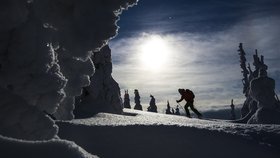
(196,46)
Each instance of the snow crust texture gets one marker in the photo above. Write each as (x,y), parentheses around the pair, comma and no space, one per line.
(144,134)
(55,148)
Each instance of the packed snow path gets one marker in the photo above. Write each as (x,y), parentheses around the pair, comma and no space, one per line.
(143,134)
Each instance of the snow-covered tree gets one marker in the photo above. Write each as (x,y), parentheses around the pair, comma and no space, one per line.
(137,101)
(168,110)
(126,102)
(153,106)
(103,94)
(261,104)
(232,111)
(45,59)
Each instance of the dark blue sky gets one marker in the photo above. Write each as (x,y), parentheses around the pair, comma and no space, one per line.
(199,39)
(169,16)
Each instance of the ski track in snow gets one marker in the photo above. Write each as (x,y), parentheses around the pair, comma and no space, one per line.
(145,134)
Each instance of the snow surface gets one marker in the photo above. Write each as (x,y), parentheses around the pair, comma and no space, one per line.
(56,148)
(144,134)
(20,120)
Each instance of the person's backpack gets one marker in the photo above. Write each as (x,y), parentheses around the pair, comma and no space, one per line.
(190,94)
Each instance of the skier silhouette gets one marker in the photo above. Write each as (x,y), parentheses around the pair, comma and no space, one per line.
(188,96)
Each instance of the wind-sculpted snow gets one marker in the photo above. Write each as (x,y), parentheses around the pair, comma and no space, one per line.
(80,28)
(55,148)
(82,25)
(144,134)
(78,73)
(45,50)
(13,13)
(103,95)
(262,104)
(28,65)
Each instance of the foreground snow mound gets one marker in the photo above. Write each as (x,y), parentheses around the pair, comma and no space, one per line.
(144,134)
(23,121)
(14,148)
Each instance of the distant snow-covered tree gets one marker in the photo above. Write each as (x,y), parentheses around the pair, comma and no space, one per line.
(232,111)
(168,110)
(153,106)
(126,102)
(137,101)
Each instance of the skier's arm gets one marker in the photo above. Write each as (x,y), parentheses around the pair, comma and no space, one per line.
(178,101)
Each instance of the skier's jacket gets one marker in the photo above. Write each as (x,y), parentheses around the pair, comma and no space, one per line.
(188,95)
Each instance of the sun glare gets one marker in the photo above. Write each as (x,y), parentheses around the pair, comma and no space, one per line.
(154,53)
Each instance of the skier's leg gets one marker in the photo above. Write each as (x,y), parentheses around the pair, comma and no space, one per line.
(187,111)
(195,111)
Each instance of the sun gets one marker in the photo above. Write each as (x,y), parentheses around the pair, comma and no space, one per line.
(154,53)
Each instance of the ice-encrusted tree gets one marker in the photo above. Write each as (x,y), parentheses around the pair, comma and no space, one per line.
(153,106)
(232,111)
(45,59)
(103,94)
(261,104)
(137,101)
(168,110)
(126,103)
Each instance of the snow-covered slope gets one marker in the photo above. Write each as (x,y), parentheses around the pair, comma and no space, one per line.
(144,134)
(56,148)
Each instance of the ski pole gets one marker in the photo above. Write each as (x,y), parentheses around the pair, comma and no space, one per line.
(181,106)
